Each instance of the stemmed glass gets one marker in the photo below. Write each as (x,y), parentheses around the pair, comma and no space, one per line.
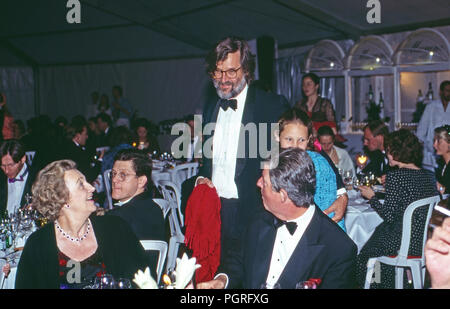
(266,286)
(105,282)
(306,285)
(123,284)
(348,179)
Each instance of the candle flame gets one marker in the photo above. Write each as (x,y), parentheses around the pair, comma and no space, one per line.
(166,279)
(362,159)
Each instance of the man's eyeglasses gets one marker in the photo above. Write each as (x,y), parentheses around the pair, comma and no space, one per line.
(231,73)
(121,175)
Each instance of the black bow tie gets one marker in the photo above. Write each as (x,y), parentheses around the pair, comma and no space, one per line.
(20,178)
(291,226)
(224,104)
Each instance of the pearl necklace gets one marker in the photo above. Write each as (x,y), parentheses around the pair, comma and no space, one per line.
(66,235)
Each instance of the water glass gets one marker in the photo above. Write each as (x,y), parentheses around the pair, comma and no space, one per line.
(306,285)
(123,284)
(266,286)
(106,282)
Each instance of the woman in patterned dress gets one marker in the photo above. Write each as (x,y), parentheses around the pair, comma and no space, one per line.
(404,185)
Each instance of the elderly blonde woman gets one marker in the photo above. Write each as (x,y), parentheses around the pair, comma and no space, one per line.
(442,146)
(74,247)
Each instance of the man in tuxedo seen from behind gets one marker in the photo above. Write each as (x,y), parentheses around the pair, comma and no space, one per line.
(293,240)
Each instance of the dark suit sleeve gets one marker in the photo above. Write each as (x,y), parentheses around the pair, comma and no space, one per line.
(233,264)
(341,274)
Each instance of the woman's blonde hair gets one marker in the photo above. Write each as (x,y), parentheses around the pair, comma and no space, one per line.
(50,192)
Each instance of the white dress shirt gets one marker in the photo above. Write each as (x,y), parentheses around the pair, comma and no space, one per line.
(15,191)
(285,244)
(225,147)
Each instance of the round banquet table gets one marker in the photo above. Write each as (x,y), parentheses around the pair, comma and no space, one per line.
(360,219)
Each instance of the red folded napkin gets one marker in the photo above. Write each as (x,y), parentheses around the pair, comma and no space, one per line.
(202,236)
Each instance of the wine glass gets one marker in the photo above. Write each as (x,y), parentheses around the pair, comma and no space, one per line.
(348,179)
(123,284)
(266,286)
(306,285)
(356,183)
(106,282)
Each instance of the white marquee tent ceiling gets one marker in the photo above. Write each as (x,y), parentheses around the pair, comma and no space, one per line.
(37,33)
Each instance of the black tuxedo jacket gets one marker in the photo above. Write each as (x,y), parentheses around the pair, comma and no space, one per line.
(144,216)
(260,108)
(377,164)
(83,158)
(32,173)
(324,252)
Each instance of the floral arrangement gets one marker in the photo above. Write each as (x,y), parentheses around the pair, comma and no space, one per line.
(183,273)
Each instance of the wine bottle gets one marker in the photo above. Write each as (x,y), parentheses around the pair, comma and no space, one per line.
(429,94)
(419,96)
(381,102)
(370,94)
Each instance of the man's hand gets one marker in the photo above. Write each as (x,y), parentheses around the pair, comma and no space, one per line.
(437,256)
(6,269)
(218,283)
(205,180)
(339,207)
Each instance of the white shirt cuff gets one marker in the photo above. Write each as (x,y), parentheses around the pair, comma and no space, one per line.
(198,178)
(223,274)
(341,191)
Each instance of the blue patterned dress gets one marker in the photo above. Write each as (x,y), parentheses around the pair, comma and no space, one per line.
(326,188)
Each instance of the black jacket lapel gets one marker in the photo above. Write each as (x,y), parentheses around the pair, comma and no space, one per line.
(303,256)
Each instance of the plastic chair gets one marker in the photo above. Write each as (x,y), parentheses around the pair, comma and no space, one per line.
(107,182)
(30,156)
(182,172)
(402,260)
(172,196)
(171,192)
(161,247)
(165,206)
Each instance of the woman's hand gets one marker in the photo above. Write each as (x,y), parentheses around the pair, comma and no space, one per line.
(366,192)
(440,187)
(339,207)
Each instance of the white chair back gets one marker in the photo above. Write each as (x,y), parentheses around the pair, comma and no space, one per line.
(107,182)
(30,156)
(171,192)
(402,260)
(161,247)
(183,171)
(165,205)
(407,224)
(172,196)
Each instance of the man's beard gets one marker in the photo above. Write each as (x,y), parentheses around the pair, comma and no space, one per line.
(235,90)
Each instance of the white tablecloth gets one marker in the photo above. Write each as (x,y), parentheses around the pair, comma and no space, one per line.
(360,220)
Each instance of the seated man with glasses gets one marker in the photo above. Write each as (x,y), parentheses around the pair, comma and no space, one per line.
(132,191)
(19,177)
